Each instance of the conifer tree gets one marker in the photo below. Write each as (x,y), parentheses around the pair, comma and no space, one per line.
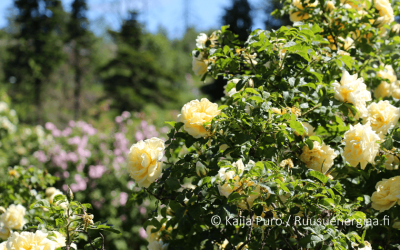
(135,77)
(37,53)
(81,40)
(238,18)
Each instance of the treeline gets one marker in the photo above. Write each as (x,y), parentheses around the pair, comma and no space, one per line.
(54,68)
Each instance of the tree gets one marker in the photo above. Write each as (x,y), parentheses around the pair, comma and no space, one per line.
(81,41)
(238,18)
(136,77)
(38,51)
(274,22)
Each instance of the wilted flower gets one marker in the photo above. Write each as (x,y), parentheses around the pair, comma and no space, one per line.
(287,162)
(201,170)
(4,232)
(157,245)
(195,114)
(144,161)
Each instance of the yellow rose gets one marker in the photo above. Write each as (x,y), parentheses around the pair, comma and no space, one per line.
(309,130)
(348,43)
(385,11)
(157,245)
(297,15)
(396,28)
(387,194)
(156,235)
(144,161)
(195,113)
(28,240)
(287,162)
(248,203)
(4,232)
(230,182)
(360,145)
(383,90)
(3,245)
(239,246)
(392,162)
(13,218)
(320,158)
(353,90)
(382,116)
(367,246)
(388,73)
(395,89)
(200,64)
(330,5)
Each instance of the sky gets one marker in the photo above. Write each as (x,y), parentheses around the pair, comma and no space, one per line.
(202,14)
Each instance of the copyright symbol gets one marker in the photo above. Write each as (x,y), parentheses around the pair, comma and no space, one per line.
(215,220)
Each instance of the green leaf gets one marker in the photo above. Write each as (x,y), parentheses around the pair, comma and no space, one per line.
(388,144)
(347,60)
(297,127)
(321,177)
(226,49)
(173,183)
(107,228)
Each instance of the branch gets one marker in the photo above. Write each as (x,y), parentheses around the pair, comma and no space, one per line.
(102,246)
(308,111)
(287,243)
(90,241)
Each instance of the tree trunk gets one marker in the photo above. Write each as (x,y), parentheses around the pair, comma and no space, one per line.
(77,91)
(38,101)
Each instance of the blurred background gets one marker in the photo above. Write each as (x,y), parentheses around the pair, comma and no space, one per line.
(82,80)
(76,59)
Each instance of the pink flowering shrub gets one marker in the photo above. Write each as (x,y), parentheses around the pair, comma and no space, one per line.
(93,164)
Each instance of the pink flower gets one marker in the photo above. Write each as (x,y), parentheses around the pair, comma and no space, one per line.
(123,198)
(49,126)
(66,132)
(74,140)
(142,233)
(119,119)
(126,114)
(139,136)
(40,156)
(56,132)
(66,174)
(96,172)
(142,210)
(71,124)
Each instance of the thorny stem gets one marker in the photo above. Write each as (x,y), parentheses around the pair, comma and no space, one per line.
(389,152)
(250,231)
(102,246)
(316,106)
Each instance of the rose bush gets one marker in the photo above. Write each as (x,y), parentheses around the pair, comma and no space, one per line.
(308,133)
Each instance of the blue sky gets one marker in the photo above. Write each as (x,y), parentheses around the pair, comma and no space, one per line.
(203,14)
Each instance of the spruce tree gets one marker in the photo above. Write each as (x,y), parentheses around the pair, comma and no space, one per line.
(136,77)
(81,41)
(37,53)
(275,22)
(238,18)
